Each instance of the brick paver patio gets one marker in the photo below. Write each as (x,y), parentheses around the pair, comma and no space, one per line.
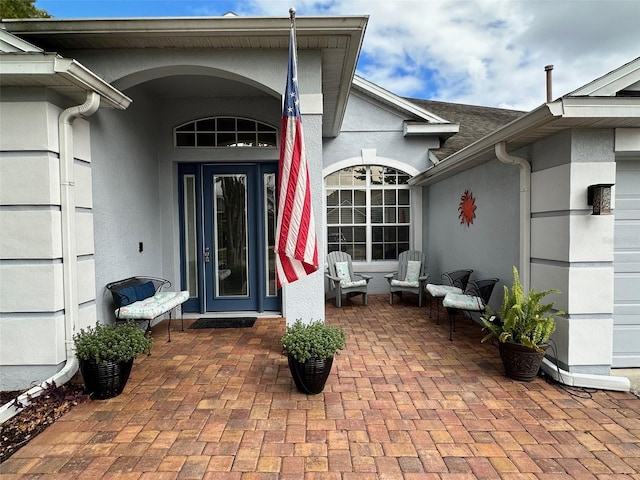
(403,402)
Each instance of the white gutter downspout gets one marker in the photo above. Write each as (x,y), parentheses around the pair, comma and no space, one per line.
(69,252)
(525,210)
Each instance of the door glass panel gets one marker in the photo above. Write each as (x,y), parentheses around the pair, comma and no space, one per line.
(190,237)
(270,233)
(230,212)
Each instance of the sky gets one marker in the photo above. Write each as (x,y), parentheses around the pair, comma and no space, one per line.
(479,52)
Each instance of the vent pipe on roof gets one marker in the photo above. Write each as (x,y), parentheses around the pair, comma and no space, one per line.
(549,69)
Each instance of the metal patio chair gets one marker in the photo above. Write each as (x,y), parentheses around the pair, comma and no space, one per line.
(454,281)
(474,299)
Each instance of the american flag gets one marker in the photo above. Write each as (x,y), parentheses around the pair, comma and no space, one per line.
(296,249)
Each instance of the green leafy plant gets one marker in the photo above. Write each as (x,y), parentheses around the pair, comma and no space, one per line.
(313,340)
(523,319)
(111,342)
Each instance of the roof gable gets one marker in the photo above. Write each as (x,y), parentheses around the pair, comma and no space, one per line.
(623,81)
(418,121)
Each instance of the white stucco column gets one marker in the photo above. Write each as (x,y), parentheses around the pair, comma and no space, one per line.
(574,254)
(304,299)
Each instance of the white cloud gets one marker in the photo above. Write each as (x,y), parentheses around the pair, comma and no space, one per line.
(484,52)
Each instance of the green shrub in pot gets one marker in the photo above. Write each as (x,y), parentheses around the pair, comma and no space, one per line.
(111,342)
(315,340)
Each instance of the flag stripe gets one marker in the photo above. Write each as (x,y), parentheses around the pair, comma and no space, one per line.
(296,248)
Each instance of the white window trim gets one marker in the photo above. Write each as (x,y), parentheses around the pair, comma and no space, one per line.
(369,157)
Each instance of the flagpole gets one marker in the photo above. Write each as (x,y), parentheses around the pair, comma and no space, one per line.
(296,246)
(292,17)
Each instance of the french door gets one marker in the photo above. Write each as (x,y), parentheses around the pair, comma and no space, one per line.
(231,264)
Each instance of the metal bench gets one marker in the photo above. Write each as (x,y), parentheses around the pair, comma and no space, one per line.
(142,298)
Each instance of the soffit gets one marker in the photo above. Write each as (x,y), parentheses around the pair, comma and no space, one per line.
(338,38)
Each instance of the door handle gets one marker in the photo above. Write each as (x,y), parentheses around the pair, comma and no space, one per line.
(207,255)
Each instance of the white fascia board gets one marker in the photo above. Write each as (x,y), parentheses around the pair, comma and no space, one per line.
(11,43)
(611,83)
(601,107)
(402,104)
(88,80)
(443,130)
(70,74)
(27,64)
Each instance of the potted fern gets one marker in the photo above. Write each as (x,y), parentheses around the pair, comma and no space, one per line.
(523,327)
(310,349)
(106,353)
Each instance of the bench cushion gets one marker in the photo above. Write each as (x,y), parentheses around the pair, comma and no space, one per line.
(463,302)
(152,307)
(441,290)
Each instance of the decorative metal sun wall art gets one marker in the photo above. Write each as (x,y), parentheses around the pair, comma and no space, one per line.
(467,208)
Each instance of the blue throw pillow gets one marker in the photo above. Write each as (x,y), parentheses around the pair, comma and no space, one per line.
(124,296)
(145,290)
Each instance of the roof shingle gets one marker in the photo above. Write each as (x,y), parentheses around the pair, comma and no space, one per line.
(475,122)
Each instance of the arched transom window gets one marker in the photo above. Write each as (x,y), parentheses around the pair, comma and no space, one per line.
(368,212)
(224,132)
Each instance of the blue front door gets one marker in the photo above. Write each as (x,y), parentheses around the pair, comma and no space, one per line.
(237,263)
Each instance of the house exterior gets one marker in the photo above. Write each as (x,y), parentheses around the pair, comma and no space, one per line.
(150,147)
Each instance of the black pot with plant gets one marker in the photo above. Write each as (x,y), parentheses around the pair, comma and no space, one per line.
(106,353)
(310,349)
(523,327)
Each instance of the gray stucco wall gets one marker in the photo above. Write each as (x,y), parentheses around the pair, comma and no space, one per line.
(490,245)
(126,196)
(368,125)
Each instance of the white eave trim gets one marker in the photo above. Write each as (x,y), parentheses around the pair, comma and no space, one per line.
(610,84)
(600,107)
(11,43)
(79,74)
(386,96)
(442,130)
(565,108)
(70,73)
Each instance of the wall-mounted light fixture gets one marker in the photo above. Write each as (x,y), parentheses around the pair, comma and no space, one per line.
(599,197)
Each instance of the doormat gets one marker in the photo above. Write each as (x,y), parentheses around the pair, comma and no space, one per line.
(227,322)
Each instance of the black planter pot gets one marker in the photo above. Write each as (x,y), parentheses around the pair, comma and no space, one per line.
(105,380)
(310,376)
(520,362)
